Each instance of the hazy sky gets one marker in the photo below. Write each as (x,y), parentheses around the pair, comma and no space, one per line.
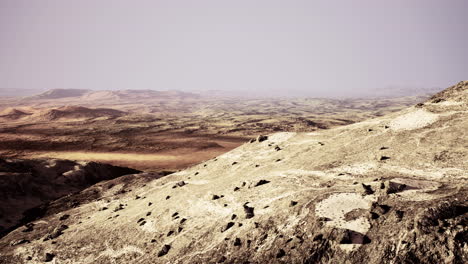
(295,47)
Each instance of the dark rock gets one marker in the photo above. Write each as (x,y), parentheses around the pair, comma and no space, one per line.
(58,231)
(165,249)
(236,189)
(233,216)
(367,189)
(394,187)
(249,212)
(64,217)
(277,148)
(261,182)
(49,257)
(384,158)
(29,227)
(237,242)
(293,203)
(234,163)
(280,253)
(19,242)
(262,138)
(229,225)
(148,213)
(167,197)
(215,197)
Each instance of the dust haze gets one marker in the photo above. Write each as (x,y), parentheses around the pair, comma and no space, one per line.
(233,132)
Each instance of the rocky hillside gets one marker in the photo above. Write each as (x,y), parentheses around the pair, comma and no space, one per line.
(25,185)
(388,190)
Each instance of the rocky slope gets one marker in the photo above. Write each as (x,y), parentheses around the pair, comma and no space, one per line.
(388,190)
(25,185)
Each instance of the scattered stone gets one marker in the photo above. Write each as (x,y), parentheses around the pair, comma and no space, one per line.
(277,148)
(150,203)
(280,253)
(180,229)
(384,158)
(321,144)
(292,203)
(183,220)
(49,257)
(175,214)
(243,184)
(181,183)
(119,207)
(278,160)
(256,166)
(167,197)
(236,189)
(165,249)
(367,189)
(222,259)
(225,205)
(229,225)
(240,224)
(153,240)
(215,197)
(399,214)
(249,211)
(252,140)
(103,208)
(196,173)
(29,227)
(233,216)
(64,217)
(143,223)
(56,233)
(262,138)
(141,219)
(137,197)
(380,208)
(394,187)
(369,130)
(148,213)
(170,233)
(261,182)
(19,242)
(237,242)
(374,215)
(382,148)
(234,163)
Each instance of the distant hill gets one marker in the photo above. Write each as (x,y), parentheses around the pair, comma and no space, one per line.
(60,93)
(110,95)
(76,112)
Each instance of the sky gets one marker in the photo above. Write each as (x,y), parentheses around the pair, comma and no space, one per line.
(289,47)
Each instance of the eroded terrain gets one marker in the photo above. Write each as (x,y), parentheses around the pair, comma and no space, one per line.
(151,130)
(392,189)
